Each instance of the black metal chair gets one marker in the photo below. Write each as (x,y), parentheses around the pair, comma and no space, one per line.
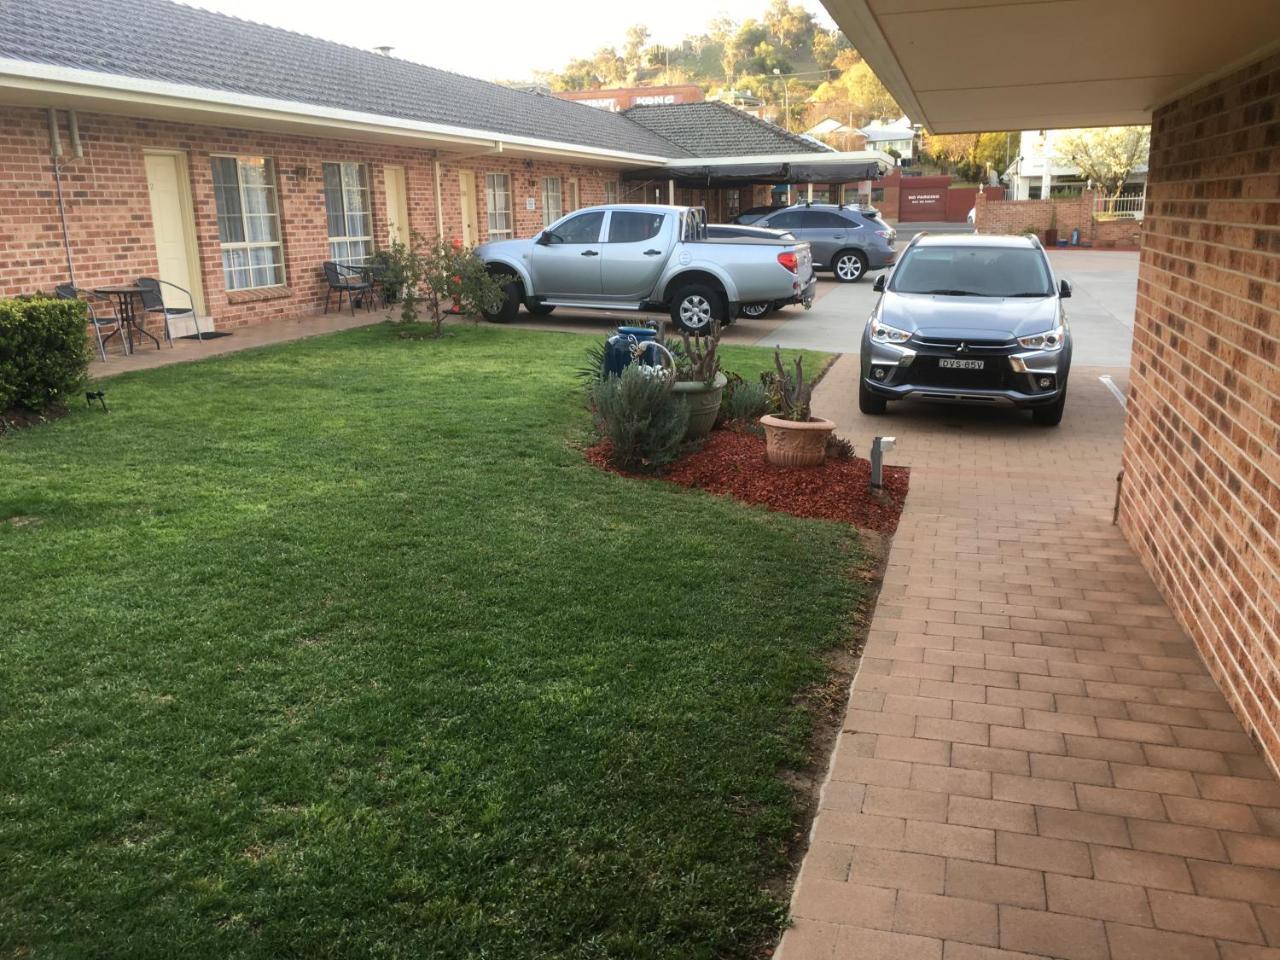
(153,303)
(102,316)
(348,282)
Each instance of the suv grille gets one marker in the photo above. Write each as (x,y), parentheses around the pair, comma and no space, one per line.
(977,346)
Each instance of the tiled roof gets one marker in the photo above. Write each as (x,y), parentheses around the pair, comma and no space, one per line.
(715,129)
(170,42)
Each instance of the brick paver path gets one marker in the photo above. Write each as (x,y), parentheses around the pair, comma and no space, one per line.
(1034,761)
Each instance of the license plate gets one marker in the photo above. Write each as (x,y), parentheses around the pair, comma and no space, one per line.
(954,364)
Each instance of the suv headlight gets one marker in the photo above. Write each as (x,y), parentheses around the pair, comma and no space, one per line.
(883,333)
(1049,341)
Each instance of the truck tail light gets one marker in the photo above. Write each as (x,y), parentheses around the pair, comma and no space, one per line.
(790,261)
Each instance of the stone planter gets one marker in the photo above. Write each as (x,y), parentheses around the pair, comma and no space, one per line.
(795,443)
(704,404)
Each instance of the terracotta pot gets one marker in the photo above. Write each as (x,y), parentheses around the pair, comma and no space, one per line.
(704,404)
(795,443)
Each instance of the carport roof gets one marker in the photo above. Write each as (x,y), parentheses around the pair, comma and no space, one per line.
(972,65)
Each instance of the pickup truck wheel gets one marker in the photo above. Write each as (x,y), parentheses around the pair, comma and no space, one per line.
(849,266)
(695,307)
(754,311)
(505,312)
(538,309)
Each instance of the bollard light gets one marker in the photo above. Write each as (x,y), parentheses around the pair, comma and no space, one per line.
(879,447)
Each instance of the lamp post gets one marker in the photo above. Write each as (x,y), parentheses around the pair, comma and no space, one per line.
(786,99)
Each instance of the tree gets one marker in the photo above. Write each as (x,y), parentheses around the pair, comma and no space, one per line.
(1107,155)
(790,25)
(858,93)
(608,66)
(439,275)
(637,37)
(827,45)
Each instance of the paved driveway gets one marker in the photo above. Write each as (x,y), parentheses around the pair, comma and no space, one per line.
(1034,761)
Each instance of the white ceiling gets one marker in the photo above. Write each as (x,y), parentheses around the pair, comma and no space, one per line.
(970,65)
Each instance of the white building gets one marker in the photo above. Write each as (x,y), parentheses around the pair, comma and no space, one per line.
(897,135)
(1041,170)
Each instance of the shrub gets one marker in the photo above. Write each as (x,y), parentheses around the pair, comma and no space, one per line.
(744,400)
(643,419)
(438,274)
(44,352)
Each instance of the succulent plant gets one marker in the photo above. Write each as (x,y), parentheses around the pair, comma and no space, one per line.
(794,395)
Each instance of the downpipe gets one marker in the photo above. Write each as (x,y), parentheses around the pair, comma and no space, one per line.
(55,150)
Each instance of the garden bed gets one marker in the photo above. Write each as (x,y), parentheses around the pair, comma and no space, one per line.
(731,462)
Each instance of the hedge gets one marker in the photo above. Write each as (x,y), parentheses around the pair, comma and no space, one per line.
(44,352)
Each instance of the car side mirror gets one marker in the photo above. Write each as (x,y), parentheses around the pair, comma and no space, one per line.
(1064,289)
(879,285)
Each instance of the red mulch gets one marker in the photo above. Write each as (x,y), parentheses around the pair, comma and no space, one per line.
(732,462)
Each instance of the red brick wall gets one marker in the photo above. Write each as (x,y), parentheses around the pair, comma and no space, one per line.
(1015,216)
(109,212)
(1201,494)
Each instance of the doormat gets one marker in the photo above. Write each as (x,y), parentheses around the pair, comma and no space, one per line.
(207,336)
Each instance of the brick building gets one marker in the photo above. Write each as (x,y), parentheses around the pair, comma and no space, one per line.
(142,137)
(1200,499)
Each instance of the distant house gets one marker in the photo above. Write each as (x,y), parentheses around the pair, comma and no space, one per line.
(1040,153)
(838,134)
(896,135)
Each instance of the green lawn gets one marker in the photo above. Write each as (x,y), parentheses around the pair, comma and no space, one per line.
(339,649)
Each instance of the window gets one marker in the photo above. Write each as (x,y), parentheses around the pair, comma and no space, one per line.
(634,227)
(497,198)
(732,203)
(790,220)
(611,191)
(581,229)
(244,191)
(552,201)
(350,215)
(825,220)
(973,271)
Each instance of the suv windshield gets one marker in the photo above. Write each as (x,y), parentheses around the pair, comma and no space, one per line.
(973,271)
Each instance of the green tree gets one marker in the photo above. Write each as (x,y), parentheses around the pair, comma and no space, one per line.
(790,25)
(1107,155)
(637,38)
(827,45)
(857,93)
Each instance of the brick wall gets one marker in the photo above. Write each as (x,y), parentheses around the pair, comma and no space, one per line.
(109,213)
(1015,216)
(1201,495)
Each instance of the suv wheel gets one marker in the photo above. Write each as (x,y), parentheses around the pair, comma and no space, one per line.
(694,308)
(868,402)
(1051,415)
(849,266)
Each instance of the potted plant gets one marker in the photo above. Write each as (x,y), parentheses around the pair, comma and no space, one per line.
(699,380)
(1051,232)
(794,437)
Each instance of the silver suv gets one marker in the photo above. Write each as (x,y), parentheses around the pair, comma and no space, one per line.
(969,319)
(845,240)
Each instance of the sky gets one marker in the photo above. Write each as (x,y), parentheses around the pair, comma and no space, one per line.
(493,39)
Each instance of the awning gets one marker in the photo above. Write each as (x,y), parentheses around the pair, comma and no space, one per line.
(784,168)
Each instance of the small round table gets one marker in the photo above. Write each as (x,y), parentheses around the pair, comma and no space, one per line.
(124,294)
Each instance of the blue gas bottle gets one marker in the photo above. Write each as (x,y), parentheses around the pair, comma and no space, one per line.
(617,349)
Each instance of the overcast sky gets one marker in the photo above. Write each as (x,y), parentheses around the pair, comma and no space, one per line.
(493,39)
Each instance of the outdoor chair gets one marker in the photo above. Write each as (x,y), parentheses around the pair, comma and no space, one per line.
(347,282)
(102,316)
(153,303)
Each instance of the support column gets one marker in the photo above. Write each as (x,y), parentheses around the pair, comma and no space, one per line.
(671,192)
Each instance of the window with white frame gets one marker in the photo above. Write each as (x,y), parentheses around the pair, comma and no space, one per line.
(552,201)
(244,190)
(348,212)
(497,197)
(611,191)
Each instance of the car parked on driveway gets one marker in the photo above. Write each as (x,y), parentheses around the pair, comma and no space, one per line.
(646,257)
(723,231)
(845,240)
(966,318)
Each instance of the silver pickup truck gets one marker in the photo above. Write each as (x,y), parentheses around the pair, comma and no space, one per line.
(646,257)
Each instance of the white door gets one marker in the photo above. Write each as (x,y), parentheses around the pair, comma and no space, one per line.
(174,235)
(397,205)
(467,186)
(572,202)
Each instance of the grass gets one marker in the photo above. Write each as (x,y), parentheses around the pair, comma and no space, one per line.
(340,649)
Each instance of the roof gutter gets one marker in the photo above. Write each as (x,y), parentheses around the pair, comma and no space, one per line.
(70,82)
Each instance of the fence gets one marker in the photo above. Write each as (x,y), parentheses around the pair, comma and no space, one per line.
(1130,207)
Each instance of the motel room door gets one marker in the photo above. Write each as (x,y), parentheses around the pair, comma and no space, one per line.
(175,234)
(397,204)
(467,187)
